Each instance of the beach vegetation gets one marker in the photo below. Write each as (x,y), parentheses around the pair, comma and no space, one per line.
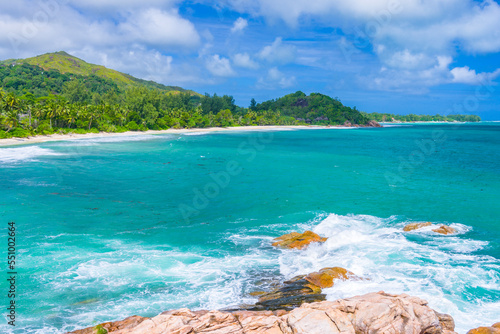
(59,93)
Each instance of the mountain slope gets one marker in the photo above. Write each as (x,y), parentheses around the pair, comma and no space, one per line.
(68,64)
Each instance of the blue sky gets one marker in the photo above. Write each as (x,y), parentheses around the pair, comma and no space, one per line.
(398,56)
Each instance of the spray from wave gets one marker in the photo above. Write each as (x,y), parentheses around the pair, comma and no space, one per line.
(25,154)
(441,269)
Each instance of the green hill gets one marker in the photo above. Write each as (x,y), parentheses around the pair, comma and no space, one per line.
(313,109)
(68,66)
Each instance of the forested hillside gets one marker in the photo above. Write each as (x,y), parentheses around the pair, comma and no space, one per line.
(47,65)
(59,93)
(313,109)
(384,117)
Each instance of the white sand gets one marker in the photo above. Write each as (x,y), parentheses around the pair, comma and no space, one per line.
(70,136)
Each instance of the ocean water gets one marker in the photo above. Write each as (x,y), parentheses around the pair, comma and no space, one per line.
(116,226)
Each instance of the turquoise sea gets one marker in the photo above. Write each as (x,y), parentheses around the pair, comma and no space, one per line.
(115,226)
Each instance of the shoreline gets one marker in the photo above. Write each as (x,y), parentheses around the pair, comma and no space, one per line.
(72,136)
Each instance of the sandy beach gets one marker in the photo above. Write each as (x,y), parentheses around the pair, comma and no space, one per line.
(71,136)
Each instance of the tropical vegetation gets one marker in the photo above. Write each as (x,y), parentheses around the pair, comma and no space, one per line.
(59,93)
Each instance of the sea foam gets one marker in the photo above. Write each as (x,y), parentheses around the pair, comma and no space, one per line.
(440,269)
(25,154)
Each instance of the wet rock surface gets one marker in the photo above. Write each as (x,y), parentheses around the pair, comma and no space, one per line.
(443,229)
(297,240)
(415,226)
(494,329)
(374,313)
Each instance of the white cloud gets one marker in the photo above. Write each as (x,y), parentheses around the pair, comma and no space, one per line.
(274,79)
(278,52)
(50,28)
(163,29)
(219,66)
(145,63)
(142,43)
(413,79)
(239,25)
(467,76)
(407,60)
(244,60)
(408,36)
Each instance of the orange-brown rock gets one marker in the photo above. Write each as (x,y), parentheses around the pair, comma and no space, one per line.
(256,293)
(494,329)
(446,321)
(443,229)
(371,313)
(297,240)
(415,226)
(130,322)
(324,278)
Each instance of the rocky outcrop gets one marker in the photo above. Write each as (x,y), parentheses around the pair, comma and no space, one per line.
(324,277)
(374,124)
(297,240)
(415,226)
(298,290)
(494,329)
(446,321)
(374,313)
(117,326)
(443,229)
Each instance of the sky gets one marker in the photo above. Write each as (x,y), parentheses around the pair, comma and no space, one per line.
(396,56)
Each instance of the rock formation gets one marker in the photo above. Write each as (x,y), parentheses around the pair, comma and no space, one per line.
(298,290)
(494,329)
(443,229)
(297,240)
(374,313)
(415,226)
(374,124)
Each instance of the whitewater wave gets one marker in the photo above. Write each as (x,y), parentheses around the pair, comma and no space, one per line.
(125,277)
(197,133)
(25,154)
(441,269)
(130,278)
(111,139)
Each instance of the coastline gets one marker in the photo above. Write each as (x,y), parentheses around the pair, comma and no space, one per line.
(71,136)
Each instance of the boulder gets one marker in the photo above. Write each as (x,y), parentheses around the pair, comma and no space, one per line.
(324,278)
(446,321)
(298,290)
(374,124)
(415,226)
(443,229)
(130,322)
(297,240)
(292,294)
(494,329)
(375,313)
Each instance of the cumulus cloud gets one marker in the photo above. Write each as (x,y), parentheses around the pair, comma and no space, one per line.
(219,66)
(244,60)
(467,76)
(276,79)
(278,52)
(119,4)
(138,41)
(239,25)
(161,29)
(408,37)
(411,79)
(53,26)
(408,60)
